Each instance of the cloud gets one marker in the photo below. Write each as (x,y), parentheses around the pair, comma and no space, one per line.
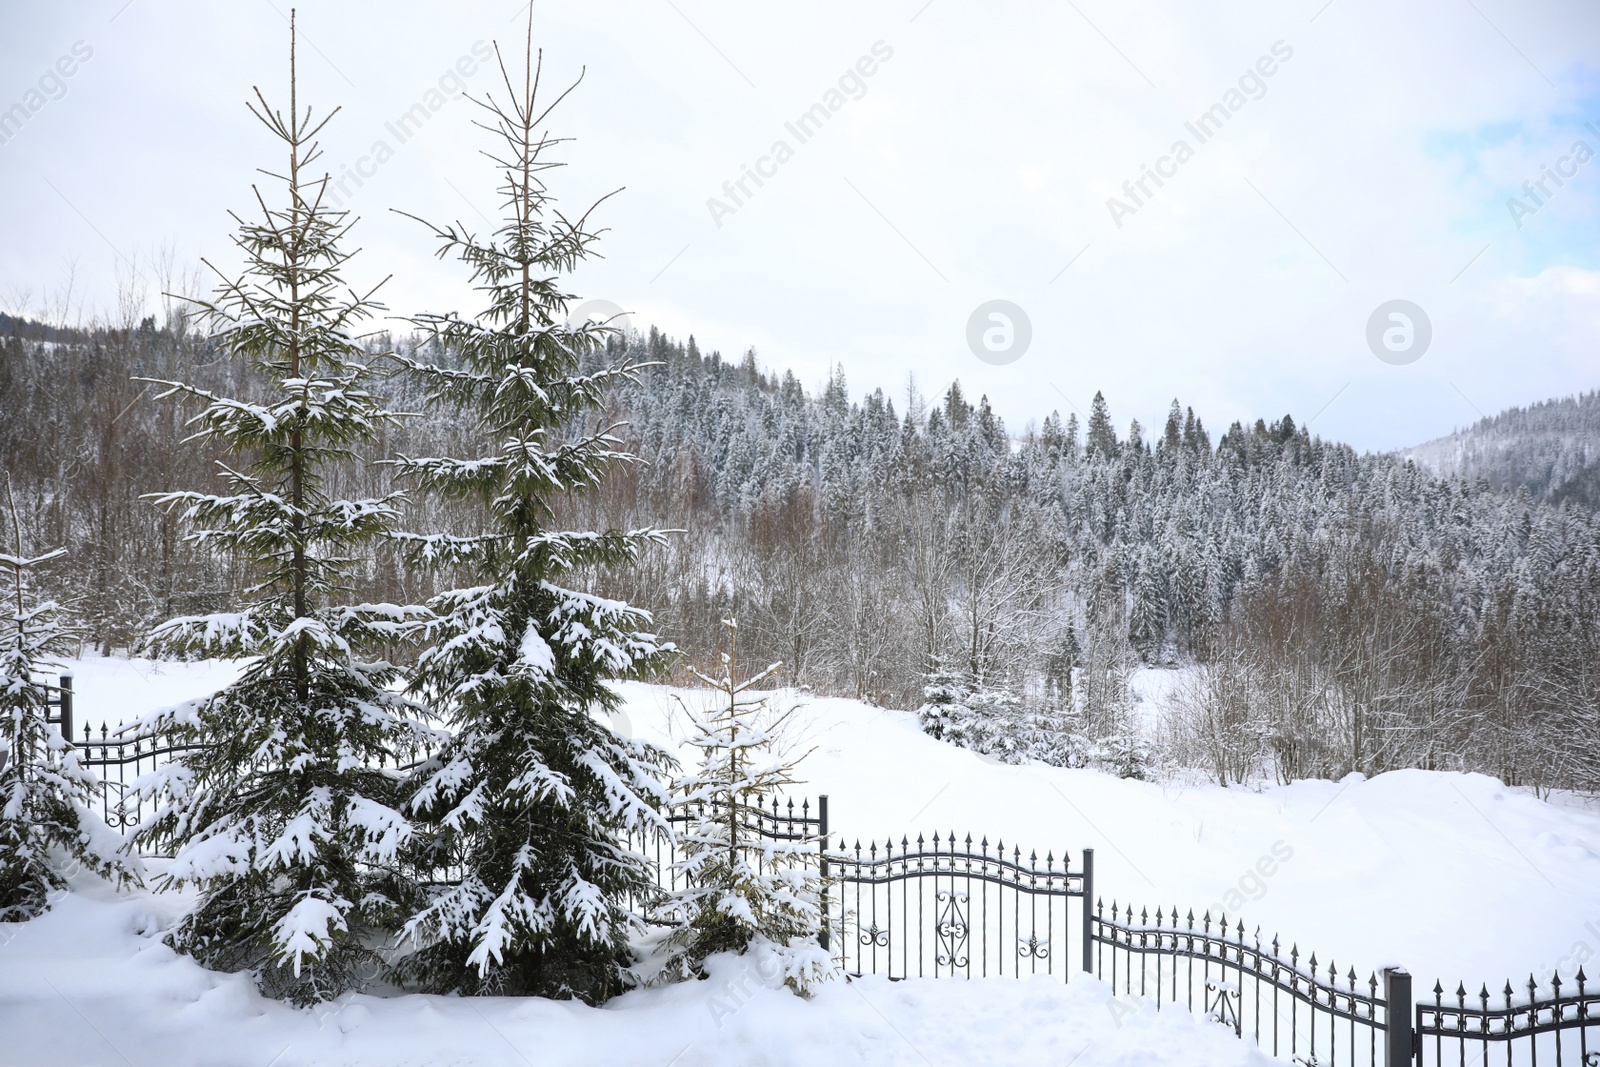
(1376,166)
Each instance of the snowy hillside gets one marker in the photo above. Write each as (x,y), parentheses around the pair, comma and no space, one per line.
(1551,449)
(1451,875)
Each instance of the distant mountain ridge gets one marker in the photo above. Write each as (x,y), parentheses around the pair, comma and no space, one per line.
(1551,449)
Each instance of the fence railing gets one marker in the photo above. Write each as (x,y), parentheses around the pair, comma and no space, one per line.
(58,696)
(1485,1024)
(1288,1004)
(783,821)
(120,758)
(949,906)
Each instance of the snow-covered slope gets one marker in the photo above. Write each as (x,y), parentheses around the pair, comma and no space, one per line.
(1451,875)
(1551,448)
(113,691)
(1454,876)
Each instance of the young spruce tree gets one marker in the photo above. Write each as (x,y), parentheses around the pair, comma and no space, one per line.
(44,795)
(743,892)
(534,798)
(946,695)
(283,818)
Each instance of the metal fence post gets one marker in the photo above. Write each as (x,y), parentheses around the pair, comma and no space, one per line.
(66,707)
(1088,911)
(822,825)
(1398,1009)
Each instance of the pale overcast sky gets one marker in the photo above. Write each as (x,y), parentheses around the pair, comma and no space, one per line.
(1357,152)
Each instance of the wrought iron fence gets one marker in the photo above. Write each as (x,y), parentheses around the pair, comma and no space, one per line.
(58,696)
(120,758)
(951,907)
(1288,1007)
(119,761)
(62,702)
(783,821)
(1468,1028)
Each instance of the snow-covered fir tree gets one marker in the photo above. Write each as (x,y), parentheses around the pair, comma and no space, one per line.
(46,825)
(945,698)
(535,799)
(281,815)
(1054,735)
(994,721)
(992,725)
(1126,755)
(743,892)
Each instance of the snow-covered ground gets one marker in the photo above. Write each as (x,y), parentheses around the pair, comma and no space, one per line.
(1451,875)
(91,983)
(113,691)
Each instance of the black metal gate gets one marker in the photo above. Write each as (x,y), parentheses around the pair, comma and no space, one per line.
(950,907)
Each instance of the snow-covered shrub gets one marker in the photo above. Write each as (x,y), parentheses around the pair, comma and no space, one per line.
(968,714)
(945,699)
(44,794)
(1126,755)
(994,725)
(1055,737)
(1219,719)
(534,800)
(743,892)
(987,719)
(995,722)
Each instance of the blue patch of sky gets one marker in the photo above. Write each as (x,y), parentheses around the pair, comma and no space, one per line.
(1490,162)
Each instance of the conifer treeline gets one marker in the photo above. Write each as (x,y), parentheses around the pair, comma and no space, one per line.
(1346,612)
(1350,612)
(1551,449)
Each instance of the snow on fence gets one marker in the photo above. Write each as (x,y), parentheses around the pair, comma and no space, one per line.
(952,908)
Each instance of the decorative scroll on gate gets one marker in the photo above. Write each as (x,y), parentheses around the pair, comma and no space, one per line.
(952,930)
